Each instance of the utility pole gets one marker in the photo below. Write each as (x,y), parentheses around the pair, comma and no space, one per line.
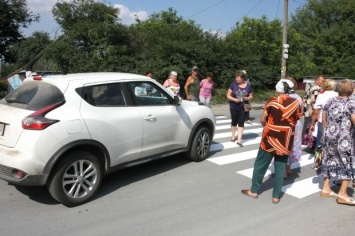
(285,46)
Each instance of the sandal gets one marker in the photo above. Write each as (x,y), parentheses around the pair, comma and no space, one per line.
(240,144)
(330,194)
(349,201)
(233,140)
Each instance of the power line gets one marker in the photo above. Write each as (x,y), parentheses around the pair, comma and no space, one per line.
(207,8)
(277,9)
(253,7)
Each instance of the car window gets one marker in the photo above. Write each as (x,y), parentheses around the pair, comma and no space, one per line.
(148,94)
(33,95)
(107,95)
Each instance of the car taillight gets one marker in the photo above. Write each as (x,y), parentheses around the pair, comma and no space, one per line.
(37,121)
(37,78)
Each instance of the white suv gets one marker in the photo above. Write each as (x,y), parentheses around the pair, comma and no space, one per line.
(69,131)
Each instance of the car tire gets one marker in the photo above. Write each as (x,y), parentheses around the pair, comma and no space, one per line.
(200,146)
(76,178)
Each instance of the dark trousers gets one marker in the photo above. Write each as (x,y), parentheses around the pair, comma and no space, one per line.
(261,165)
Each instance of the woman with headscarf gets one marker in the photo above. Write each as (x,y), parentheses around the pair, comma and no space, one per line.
(279,119)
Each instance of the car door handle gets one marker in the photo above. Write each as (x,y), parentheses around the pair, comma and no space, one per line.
(150,118)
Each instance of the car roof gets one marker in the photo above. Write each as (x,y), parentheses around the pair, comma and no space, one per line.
(82,79)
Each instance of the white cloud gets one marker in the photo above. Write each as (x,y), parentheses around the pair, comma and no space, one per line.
(127,17)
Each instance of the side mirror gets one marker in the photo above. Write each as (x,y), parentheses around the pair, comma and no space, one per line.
(177,100)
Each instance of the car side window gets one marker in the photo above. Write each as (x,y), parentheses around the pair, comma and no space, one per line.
(107,95)
(148,94)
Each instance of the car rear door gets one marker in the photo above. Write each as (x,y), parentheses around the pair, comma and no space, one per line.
(113,122)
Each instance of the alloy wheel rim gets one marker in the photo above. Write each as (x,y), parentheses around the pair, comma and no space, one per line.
(79,179)
(203,144)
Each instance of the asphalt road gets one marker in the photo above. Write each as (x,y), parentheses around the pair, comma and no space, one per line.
(174,196)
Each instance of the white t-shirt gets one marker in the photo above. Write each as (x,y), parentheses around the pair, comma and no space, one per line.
(321,100)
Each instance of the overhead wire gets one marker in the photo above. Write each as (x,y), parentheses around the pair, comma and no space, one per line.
(207,8)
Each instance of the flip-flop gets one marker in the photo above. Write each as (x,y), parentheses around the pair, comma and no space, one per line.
(240,144)
(349,201)
(233,140)
(330,194)
(245,192)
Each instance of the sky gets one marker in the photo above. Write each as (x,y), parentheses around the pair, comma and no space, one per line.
(211,15)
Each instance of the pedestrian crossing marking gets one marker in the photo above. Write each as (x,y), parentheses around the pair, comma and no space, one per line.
(220,117)
(228,134)
(300,188)
(221,146)
(232,158)
(229,126)
(306,160)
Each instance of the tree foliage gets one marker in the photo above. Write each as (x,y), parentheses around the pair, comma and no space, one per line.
(14,14)
(28,51)
(255,45)
(324,34)
(92,37)
(166,42)
(321,36)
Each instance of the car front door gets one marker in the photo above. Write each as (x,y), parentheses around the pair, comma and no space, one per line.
(166,126)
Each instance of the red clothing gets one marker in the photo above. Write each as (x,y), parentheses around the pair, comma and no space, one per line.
(282,115)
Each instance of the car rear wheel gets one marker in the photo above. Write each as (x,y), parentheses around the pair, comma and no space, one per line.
(75,179)
(200,146)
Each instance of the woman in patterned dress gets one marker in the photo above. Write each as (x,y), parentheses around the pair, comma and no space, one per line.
(338,146)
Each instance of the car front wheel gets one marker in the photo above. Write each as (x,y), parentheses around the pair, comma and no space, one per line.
(75,179)
(200,146)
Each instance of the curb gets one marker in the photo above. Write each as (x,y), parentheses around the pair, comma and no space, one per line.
(223,109)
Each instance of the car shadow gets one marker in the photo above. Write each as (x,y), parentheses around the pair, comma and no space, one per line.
(127,176)
(37,193)
(113,181)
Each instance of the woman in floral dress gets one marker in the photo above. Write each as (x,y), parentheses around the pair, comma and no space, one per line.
(338,146)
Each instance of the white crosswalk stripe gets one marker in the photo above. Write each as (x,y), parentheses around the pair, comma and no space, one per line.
(300,188)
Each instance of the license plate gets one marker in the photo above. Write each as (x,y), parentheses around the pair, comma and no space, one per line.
(2,129)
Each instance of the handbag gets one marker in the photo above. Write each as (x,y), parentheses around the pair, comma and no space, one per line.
(318,158)
(308,138)
(247,106)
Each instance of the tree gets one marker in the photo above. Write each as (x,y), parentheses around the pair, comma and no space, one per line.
(92,40)
(28,51)
(254,45)
(324,34)
(14,15)
(167,42)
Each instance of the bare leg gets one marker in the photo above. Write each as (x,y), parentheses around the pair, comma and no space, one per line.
(326,186)
(240,134)
(233,128)
(342,191)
